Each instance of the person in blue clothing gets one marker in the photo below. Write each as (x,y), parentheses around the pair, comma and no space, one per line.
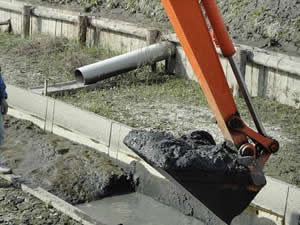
(3,110)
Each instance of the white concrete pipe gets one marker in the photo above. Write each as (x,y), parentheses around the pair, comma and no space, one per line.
(114,66)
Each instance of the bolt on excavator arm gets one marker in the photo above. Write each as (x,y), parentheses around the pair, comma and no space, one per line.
(189,23)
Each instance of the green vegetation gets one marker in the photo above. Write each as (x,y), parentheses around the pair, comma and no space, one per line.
(258,12)
(54,59)
(273,113)
(238,5)
(132,5)
(88,2)
(297,23)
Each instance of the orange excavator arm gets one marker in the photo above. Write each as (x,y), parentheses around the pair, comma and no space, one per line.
(189,23)
(191,28)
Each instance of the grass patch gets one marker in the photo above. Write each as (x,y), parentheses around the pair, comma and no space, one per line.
(54,59)
(126,94)
(274,113)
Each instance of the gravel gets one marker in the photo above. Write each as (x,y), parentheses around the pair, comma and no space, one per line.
(17,207)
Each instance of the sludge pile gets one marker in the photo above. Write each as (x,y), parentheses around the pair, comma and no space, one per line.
(197,150)
(212,173)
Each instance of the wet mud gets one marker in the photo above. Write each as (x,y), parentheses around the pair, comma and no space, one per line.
(70,171)
(164,191)
(17,207)
(196,150)
(208,171)
(130,209)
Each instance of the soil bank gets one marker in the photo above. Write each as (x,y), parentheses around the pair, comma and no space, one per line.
(269,24)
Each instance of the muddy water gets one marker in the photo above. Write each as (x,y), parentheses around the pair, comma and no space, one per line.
(135,209)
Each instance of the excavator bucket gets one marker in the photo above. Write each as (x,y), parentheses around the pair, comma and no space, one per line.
(214,174)
(225,198)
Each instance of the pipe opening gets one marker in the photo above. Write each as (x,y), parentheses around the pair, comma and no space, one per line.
(79,77)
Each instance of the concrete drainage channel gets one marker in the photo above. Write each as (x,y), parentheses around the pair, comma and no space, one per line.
(106,136)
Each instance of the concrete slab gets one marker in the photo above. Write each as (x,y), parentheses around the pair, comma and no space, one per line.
(87,123)
(292,216)
(283,87)
(114,144)
(120,26)
(26,101)
(60,131)
(123,148)
(273,197)
(255,80)
(49,114)
(270,78)
(117,149)
(248,76)
(254,216)
(66,87)
(59,14)
(276,61)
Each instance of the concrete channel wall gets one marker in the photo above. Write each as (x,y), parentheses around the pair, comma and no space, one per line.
(278,203)
(267,74)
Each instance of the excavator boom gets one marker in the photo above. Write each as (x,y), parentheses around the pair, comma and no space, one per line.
(225,178)
(189,23)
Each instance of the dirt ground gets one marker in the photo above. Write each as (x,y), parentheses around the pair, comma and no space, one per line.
(43,58)
(70,171)
(268,24)
(17,207)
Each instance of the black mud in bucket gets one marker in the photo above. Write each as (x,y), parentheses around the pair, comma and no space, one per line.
(211,173)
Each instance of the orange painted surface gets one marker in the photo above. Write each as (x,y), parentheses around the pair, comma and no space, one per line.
(219,28)
(191,28)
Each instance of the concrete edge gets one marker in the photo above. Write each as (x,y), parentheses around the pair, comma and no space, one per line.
(120,26)
(61,131)
(65,87)
(276,62)
(292,213)
(266,201)
(258,56)
(55,202)
(117,150)
(58,14)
